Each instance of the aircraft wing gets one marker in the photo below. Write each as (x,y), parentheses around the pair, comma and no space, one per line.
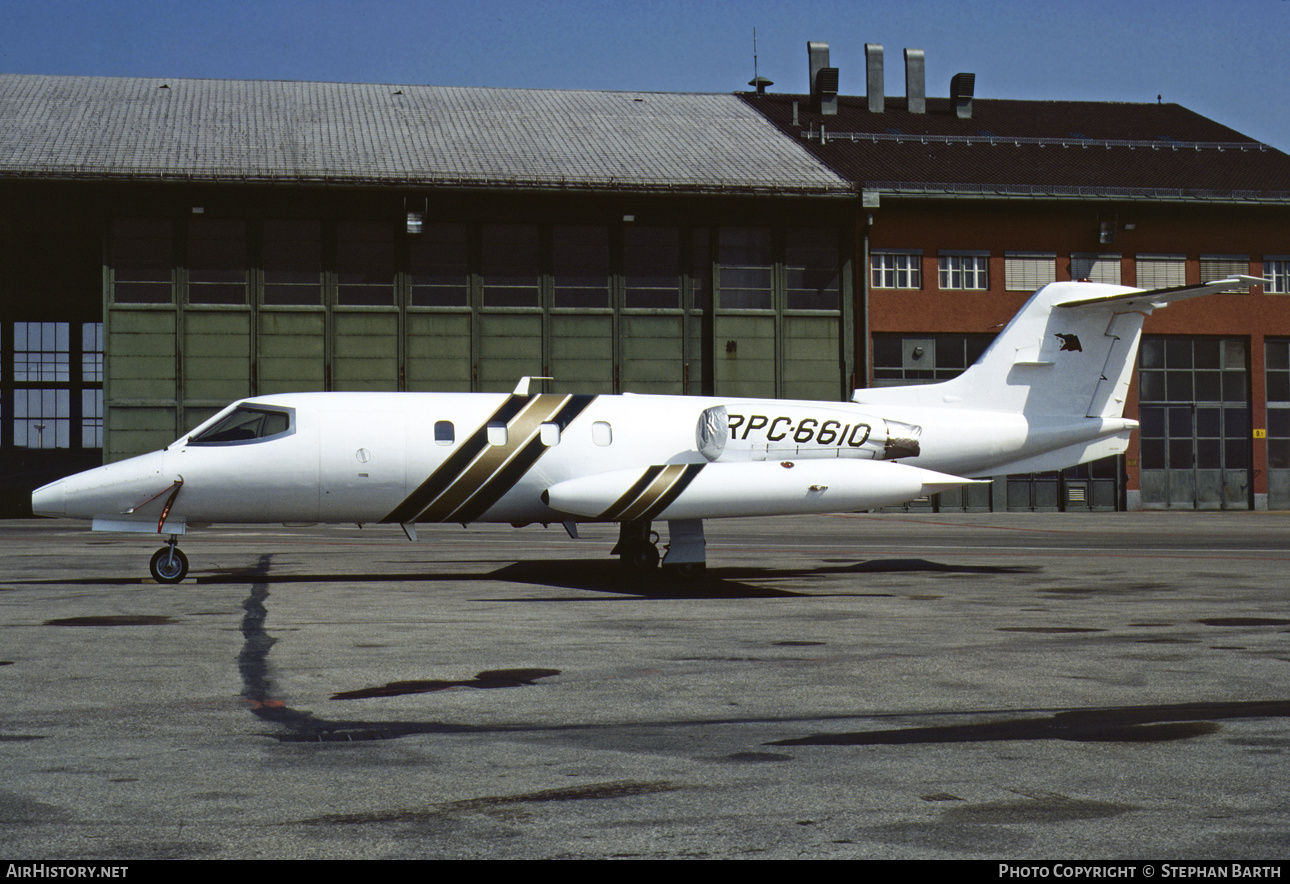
(1148,299)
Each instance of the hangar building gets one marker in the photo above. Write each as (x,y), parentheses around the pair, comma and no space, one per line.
(169,246)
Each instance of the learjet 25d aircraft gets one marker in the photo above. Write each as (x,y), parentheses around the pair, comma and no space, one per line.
(1047,394)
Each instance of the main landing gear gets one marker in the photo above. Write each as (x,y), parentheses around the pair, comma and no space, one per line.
(685,559)
(169,564)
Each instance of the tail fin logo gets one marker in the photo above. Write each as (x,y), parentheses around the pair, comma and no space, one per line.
(1071,343)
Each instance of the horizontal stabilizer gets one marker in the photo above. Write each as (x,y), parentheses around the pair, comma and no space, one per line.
(1147,299)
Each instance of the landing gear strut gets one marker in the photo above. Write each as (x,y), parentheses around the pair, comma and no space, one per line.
(169,564)
(637,548)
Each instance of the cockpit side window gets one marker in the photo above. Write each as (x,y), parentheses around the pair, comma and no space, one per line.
(246,424)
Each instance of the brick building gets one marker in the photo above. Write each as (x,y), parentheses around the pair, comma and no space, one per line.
(969,204)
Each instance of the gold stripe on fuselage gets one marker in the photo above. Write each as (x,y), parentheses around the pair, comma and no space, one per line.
(520,430)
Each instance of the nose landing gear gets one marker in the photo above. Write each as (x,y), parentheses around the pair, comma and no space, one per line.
(169,564)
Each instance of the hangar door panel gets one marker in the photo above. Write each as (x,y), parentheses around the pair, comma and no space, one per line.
(582,353)
(366,351)
(744,363)
(653,354)
(291,352)
(510,347)
(439,352)
(811,363)
(217,358)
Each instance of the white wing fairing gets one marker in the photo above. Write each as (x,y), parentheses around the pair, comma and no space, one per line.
(714,491)
(1048,393)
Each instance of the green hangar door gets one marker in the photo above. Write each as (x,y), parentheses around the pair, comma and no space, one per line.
(778,315)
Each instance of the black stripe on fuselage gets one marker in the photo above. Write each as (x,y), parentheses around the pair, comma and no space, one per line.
(514,470)
(631,494)
(665,499)
(455,464)
(652,493)
(491,470)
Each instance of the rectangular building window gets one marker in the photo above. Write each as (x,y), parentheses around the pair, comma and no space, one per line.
(439,266)
(42,418)
(292,263)
(745,268)
(652,267)
(1096,267)
(1028,271)
(811,264)
(41,352)
(908,359)
(510,265)
(365,264)
(1161,271)
(896,270)
(91,418)
(1216,267)
(580,266)
(1276,269)
(964,270)
(216,261)
(142,257)
(92,352)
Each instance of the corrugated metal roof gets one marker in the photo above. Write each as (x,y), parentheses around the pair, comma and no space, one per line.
(396,134)
(1035,148)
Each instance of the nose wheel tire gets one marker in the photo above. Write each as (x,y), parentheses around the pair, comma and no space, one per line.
(169,565)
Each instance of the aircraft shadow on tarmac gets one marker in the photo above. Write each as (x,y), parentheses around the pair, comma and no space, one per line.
(1112,724)
(597,575)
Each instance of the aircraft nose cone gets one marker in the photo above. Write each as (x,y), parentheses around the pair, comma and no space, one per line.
(50,500)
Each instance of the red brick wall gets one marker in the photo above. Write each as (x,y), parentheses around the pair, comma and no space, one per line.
(1191,229)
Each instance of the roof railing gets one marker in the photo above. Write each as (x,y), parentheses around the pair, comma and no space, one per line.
(1061,190)
(823,136)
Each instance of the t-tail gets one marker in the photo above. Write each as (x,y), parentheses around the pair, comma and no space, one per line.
(1063,364)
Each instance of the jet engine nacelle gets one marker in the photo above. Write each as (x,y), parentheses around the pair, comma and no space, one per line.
(773,430)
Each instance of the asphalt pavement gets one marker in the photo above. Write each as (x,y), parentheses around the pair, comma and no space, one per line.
(1001,686)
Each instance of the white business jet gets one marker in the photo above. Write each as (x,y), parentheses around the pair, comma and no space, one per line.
(1047,394)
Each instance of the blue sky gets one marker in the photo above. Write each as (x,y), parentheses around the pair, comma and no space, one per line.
(1227,60)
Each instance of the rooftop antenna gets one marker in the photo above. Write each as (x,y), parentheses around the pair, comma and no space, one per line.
(760,83)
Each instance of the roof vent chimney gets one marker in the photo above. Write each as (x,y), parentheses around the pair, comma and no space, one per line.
(873,76)
(961,88)
(915,81)
(824,79)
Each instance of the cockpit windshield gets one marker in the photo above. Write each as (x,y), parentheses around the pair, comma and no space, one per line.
(246,424)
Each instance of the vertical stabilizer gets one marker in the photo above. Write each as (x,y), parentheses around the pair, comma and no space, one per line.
(1069,351)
